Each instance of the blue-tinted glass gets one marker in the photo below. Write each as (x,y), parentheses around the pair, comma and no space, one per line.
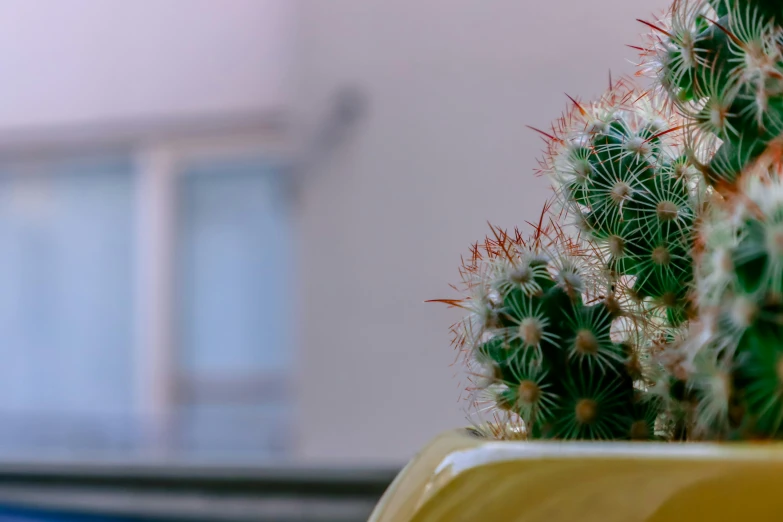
(234,255)
(66,274)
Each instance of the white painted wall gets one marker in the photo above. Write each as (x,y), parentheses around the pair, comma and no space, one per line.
(66,62)
(444,149)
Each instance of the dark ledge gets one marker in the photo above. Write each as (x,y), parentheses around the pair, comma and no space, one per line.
(134,492)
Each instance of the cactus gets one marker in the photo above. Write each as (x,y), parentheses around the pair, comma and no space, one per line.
(543,343)
(639,327)
(721,62)
(736,357)
(619,171)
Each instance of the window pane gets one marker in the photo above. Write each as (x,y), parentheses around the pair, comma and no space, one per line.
(234,355)
(234,255)
(66,305)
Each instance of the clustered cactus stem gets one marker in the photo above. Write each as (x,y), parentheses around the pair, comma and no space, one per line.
(620,173)
(662,317)
(545,350)
(737,359)
(721,62)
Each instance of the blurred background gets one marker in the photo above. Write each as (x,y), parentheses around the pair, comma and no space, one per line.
(219,219)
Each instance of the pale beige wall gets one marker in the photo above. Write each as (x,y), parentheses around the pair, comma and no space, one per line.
(444,148)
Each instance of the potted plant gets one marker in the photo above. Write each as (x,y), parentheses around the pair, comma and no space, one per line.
(646,304)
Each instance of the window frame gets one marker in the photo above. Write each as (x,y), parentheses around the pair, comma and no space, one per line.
(162,386)
(160,150)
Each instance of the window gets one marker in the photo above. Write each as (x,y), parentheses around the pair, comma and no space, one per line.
(233,263)
(66,305)
(144,304)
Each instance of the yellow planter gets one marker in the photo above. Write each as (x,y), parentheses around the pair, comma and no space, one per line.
(461,477)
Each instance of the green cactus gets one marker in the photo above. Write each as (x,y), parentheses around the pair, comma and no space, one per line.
(544,345)
(620,173)
(664,317)
(736,358)
(620,170)
(721,61)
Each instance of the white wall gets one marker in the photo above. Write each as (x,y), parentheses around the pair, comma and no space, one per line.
(444,149)
(65,62)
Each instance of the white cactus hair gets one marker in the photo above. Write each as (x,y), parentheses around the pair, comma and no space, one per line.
(568,160)
(758,199)
(757,51)
(495,279)
(711,380)
(673,30)
(575,128)
(707,85)
(715,269)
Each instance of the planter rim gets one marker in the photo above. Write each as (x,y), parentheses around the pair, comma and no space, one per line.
(462,451)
